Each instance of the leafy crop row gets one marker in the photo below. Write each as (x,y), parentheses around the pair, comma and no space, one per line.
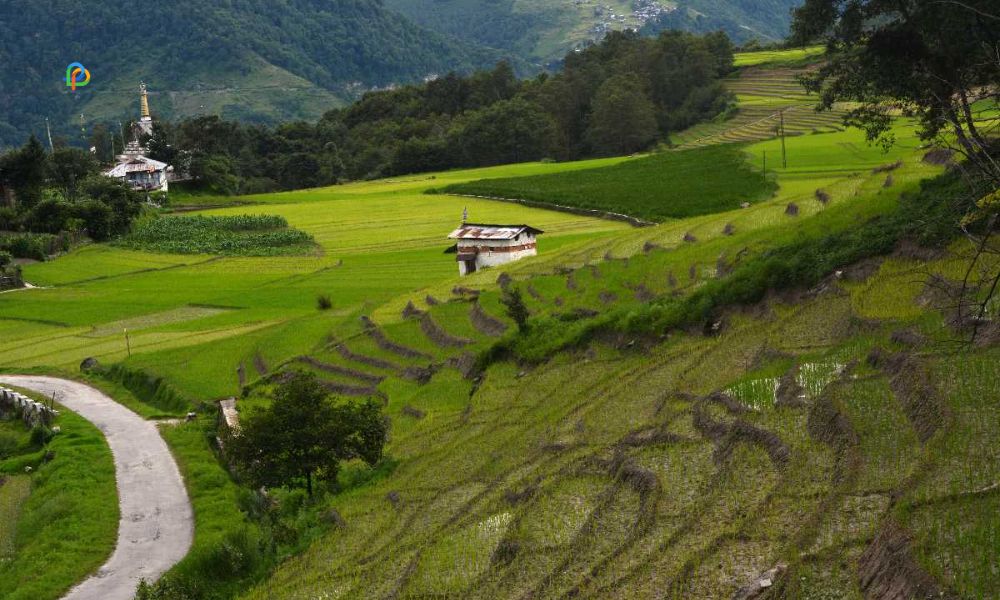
(247,235)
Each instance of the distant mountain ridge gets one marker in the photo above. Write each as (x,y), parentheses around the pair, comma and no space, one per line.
(542,31)
(256,60)
(272,61)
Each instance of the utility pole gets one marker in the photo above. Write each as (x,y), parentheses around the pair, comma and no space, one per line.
(121,131)
(784,160)
(48,131)
(763,167)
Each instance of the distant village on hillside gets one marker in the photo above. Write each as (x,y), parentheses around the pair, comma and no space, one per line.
(643,11)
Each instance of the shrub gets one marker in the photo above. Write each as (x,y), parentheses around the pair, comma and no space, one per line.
(41,435)
(517,310)
(8,444)
(49,215)
(9,219)
(323,302)
(28,245)
(98,219)
(236,555)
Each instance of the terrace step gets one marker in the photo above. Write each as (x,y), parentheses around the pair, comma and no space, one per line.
(370,361)
(439,336)
(484,322)
(340,370)
(383,342)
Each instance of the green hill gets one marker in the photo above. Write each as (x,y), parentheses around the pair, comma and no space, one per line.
(253,60)
(544,30)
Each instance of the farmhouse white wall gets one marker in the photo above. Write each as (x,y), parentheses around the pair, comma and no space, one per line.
(482,246)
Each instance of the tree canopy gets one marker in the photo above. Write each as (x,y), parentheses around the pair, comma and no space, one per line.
(63,191)
(933,60)
(304,434)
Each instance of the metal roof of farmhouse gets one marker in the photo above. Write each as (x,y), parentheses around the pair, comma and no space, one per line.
(485,231)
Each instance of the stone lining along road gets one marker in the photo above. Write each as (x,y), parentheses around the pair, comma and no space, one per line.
(156,525)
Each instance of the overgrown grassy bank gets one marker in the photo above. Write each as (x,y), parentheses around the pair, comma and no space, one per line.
(240,534)
(66,526)
(151,391)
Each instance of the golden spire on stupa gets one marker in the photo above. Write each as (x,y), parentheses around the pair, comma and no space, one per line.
(144,102)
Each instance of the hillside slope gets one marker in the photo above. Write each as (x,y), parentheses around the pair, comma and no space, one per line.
(253,60)
(544,30)
(832,441)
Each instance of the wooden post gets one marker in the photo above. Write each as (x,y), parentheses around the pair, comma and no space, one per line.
(784,161)
(128,343)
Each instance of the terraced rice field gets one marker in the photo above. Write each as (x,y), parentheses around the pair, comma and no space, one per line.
(611,472)
(197,318)
(764,94)
(779,58)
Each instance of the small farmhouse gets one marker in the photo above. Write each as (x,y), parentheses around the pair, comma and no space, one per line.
(481,245)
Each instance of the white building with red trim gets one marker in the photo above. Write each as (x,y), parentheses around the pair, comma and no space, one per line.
(481,245)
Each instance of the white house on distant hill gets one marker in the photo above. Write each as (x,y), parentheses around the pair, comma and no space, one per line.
(134,167)
(481,245)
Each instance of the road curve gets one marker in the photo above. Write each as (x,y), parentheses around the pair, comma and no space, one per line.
(156,525)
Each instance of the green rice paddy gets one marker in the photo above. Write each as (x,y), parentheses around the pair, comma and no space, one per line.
(668,185)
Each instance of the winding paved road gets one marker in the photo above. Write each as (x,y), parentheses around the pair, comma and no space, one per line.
(156,526)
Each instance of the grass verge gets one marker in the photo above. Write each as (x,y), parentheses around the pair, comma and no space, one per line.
(67,525)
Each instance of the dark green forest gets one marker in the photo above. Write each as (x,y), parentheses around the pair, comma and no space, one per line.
(49,199)
(334,45)
(618,97)
(492,23)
